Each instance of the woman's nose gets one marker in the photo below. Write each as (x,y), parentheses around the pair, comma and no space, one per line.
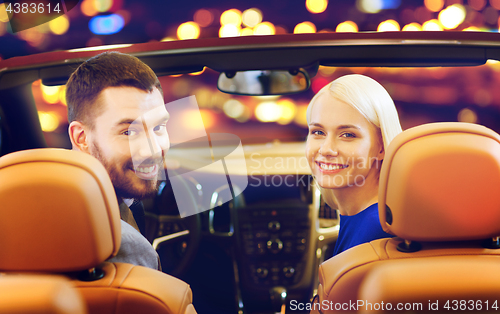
(328,148)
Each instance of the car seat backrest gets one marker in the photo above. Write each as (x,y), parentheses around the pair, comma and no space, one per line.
(439,182)
(39,294)
(60,215)
(57,212)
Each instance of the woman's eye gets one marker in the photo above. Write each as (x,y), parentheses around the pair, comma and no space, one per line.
(348,135)
(317,132)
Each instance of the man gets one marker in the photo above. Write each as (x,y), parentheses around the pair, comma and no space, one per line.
(117,114)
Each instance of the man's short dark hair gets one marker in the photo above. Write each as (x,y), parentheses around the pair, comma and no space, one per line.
(108,69)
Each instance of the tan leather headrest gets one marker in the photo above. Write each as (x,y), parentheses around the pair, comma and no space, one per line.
(38,294)
(440,182)
(58,211)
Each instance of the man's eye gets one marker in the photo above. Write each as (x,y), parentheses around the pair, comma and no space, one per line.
(160,128)
(130,132)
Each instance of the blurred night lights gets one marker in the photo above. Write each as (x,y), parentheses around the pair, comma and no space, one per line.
(232,17)
(304,28)
(59,25)
(388,26)
(432,25)
(268,111)
(412,27)
(369,6)
(188,30)
(452,16)
(3,14)
(106,24)
(251,17)
(229,30)
(316,6)
(347,27)
(264,28)
(48,121)
(434,5)
(203,17)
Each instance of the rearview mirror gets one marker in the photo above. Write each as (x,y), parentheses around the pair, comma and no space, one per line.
(264,82)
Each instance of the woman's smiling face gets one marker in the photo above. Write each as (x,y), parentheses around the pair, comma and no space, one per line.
(343,148)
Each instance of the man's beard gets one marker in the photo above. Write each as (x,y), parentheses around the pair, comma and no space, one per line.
(124,188)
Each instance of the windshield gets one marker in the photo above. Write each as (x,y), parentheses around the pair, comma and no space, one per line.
(421,95)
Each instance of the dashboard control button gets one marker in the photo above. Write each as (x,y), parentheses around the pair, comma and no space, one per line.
(274,245)
(274,226)
(261,272)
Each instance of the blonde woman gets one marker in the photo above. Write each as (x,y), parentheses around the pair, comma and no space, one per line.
(351,122)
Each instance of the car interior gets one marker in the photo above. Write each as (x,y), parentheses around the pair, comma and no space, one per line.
(263,239)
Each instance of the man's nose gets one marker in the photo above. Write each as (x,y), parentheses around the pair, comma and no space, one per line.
(152,145)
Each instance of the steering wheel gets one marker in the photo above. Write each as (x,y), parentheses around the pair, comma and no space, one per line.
(175,239)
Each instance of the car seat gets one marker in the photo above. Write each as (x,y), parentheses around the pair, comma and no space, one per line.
(438,193)
(39,294)
(60,215)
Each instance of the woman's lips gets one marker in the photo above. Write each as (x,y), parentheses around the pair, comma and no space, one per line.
(330,167)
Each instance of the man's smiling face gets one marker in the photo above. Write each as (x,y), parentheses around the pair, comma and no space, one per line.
(130,139)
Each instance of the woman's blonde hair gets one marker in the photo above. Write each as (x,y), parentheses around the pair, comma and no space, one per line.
(370,99)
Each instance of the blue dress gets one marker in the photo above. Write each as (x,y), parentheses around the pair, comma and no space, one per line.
(360,228)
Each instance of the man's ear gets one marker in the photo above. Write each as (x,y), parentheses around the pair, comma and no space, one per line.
(78,134)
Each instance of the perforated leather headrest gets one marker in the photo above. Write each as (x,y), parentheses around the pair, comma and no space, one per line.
(58,211)
(440,182)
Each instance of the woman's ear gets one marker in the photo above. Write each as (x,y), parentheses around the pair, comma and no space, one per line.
(78,134)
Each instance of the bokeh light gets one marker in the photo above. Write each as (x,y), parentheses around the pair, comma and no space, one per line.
(388,26)
(412,27)
(316,6)
(369,6)
(233,108)
(50,93)
(49,121)
(88,8)
(477,5)
(304,28)
(247,31)
(264,28)
(268,111)
(188,30)
(251,17)
(467,115)
(288,110)
(203,17)
(59,25)
(300,115)
(432,25)
(231,17)
(229,30)
(4,17)
(347,27)
(434,5)
(103,5)
(452,16)
(106,24)
(495,4)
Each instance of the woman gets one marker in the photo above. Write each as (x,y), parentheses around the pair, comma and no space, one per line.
(351,122)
